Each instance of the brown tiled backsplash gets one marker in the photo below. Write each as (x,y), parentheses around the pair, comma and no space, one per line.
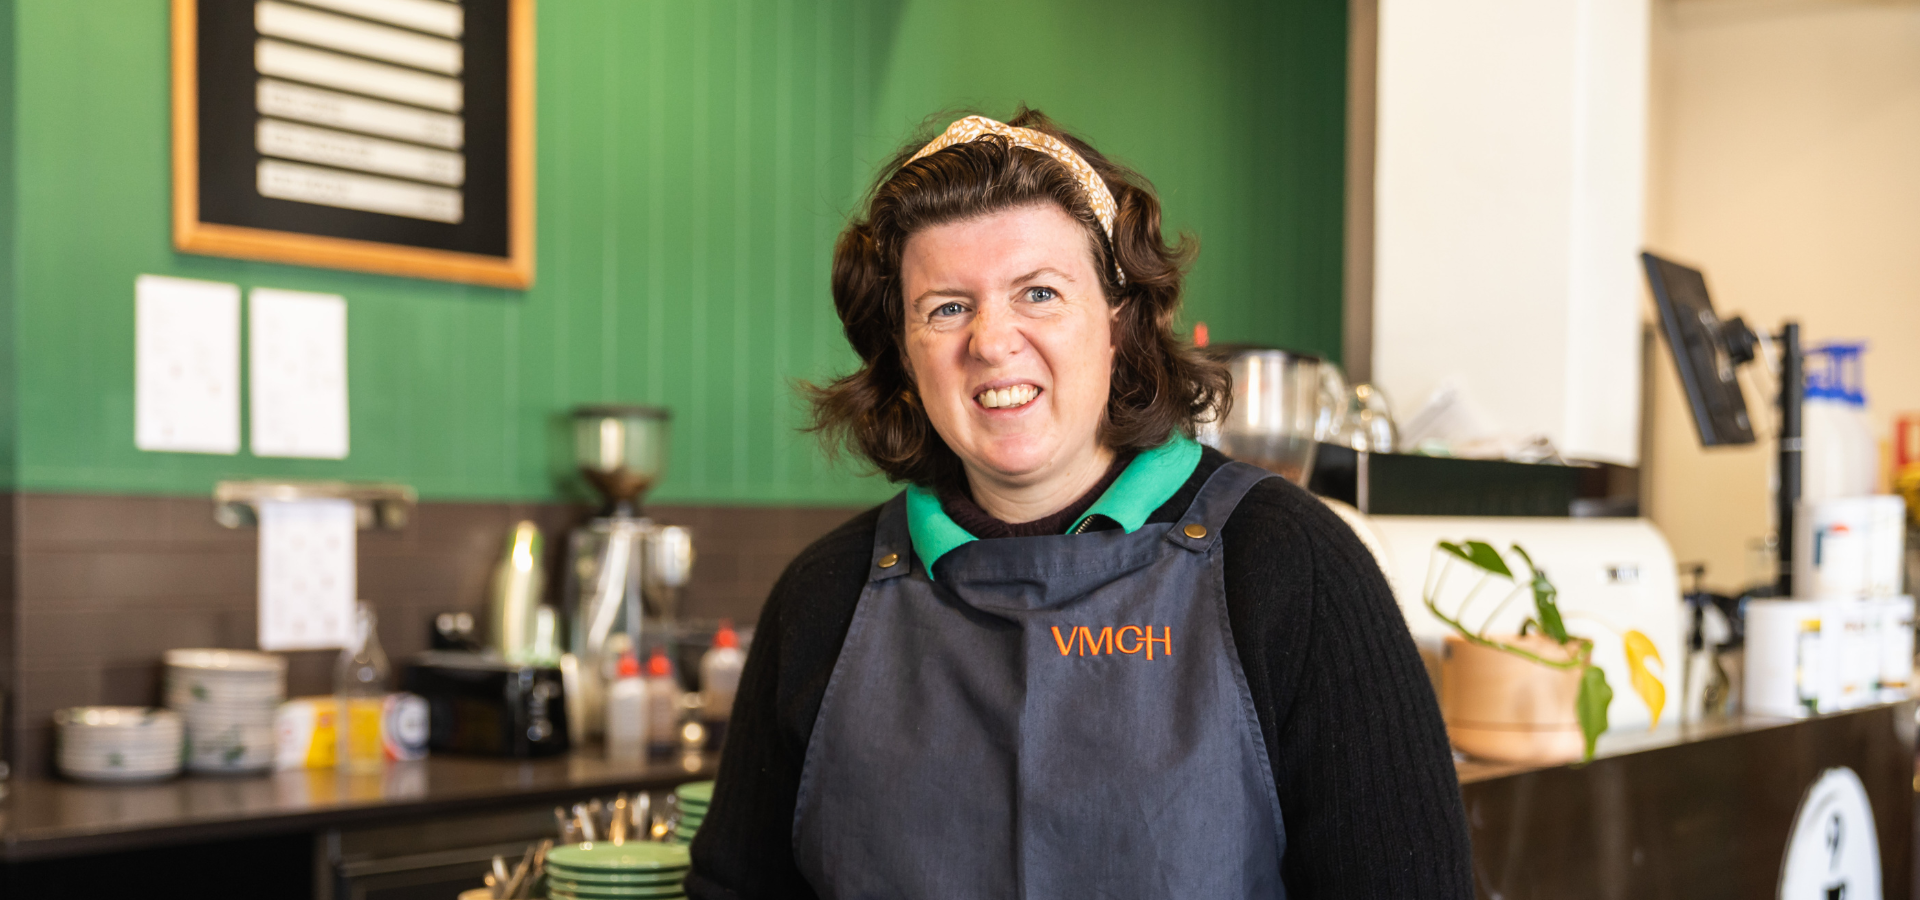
(97,588)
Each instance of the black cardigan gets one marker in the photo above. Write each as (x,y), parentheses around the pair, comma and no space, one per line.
(1360,757)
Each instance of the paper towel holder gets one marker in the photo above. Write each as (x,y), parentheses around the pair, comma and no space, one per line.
(236,504)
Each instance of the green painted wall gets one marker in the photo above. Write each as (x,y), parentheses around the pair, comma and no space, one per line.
(8,365)
(1235,110)
(695,162)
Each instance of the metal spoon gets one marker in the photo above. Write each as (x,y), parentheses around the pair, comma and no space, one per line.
(500,876)
(584,820)
(519,875)
(617,825)
(539,866)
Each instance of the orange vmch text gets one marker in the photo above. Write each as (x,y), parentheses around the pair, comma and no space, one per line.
(1111,640)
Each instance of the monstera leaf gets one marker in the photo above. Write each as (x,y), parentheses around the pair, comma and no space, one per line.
(1546,609)
(1480,555)
(1595,695)
(1591,705)
(1645,683)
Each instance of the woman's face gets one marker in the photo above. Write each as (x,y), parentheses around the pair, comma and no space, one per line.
(1010,341)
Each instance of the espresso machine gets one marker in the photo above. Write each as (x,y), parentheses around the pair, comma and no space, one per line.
(623,571)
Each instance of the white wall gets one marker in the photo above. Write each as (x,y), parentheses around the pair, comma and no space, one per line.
(1786,164)
(1508,213)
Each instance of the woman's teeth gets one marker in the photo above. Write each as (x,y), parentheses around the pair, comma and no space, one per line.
(1008,397)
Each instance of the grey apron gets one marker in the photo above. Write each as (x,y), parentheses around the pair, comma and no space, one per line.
(1060,716)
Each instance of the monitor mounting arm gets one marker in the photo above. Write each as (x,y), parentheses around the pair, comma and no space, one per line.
(1793,390)
(1707,351)
(1739,342)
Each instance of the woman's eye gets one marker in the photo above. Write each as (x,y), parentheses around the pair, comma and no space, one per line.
(948,309)
(1042,294)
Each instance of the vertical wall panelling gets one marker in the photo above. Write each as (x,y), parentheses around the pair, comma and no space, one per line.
(1235,110)
(695,164)
(9,369)
(8,332)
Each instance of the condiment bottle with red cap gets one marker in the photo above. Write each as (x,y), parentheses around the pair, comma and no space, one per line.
(720,680)
(627,712)
(663,705)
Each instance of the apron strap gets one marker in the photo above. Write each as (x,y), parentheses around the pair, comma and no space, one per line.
(1217,500)
(891,539)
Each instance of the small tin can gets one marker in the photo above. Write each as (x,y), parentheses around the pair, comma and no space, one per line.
(403,727)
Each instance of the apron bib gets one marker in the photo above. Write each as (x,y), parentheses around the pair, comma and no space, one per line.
(1059,716)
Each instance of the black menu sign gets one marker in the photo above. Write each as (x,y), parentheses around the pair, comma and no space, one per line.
(389,136)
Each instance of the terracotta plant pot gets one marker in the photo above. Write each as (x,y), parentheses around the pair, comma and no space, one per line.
(1507,709)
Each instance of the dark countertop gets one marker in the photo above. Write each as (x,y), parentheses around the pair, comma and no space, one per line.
(1623,743)
(50,818)
(1703,810)
(47,818)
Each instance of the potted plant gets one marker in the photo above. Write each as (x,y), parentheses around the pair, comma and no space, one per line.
(1535,696)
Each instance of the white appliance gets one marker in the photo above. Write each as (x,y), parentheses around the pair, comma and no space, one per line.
(1820,656)
(1612,574)
(1850,547)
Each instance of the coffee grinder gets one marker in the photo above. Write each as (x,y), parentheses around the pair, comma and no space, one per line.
(622,451)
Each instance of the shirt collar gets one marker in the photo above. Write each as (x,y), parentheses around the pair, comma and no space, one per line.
(1147,483)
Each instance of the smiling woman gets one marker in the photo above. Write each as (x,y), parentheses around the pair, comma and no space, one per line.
(966,225)
(1079,655)
(1010,342)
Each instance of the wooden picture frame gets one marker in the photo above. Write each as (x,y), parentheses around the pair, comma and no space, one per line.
(478,229)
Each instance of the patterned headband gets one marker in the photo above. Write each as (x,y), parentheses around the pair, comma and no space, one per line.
(973,128)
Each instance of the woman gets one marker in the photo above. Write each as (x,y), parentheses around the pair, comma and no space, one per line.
(1080,655)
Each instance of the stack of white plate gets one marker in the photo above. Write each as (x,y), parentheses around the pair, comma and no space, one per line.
(118,743)
(228,698)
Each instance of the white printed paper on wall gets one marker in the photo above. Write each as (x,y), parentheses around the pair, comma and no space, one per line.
(186,365)
(297,360)
(307,574)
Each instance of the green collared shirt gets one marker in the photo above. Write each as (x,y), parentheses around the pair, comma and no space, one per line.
(1148,482)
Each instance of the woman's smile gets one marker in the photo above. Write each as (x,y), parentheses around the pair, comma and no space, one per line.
(1007,399)
(1009,338)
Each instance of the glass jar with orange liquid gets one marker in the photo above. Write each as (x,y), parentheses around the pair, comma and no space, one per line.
(360,688)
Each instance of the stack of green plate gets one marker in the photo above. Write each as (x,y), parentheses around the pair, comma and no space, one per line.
(694,797)
(637,870)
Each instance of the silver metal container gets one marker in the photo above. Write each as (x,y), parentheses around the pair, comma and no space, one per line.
(1283,402)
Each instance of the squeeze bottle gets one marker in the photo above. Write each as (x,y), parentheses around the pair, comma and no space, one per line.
(720,679)
(627,713)
(663,705)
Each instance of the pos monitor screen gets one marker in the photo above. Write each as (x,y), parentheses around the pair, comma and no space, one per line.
(1700,346)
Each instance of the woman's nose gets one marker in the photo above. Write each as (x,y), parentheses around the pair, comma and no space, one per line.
(996,337)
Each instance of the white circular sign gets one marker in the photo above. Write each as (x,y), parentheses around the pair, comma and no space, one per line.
(1833,852)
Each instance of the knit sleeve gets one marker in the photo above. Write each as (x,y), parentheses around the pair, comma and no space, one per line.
(1365,776)
(744,849)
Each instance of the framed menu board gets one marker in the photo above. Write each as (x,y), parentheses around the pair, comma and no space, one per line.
(391,136)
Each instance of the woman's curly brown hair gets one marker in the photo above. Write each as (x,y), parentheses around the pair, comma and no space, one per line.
(1159,383)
